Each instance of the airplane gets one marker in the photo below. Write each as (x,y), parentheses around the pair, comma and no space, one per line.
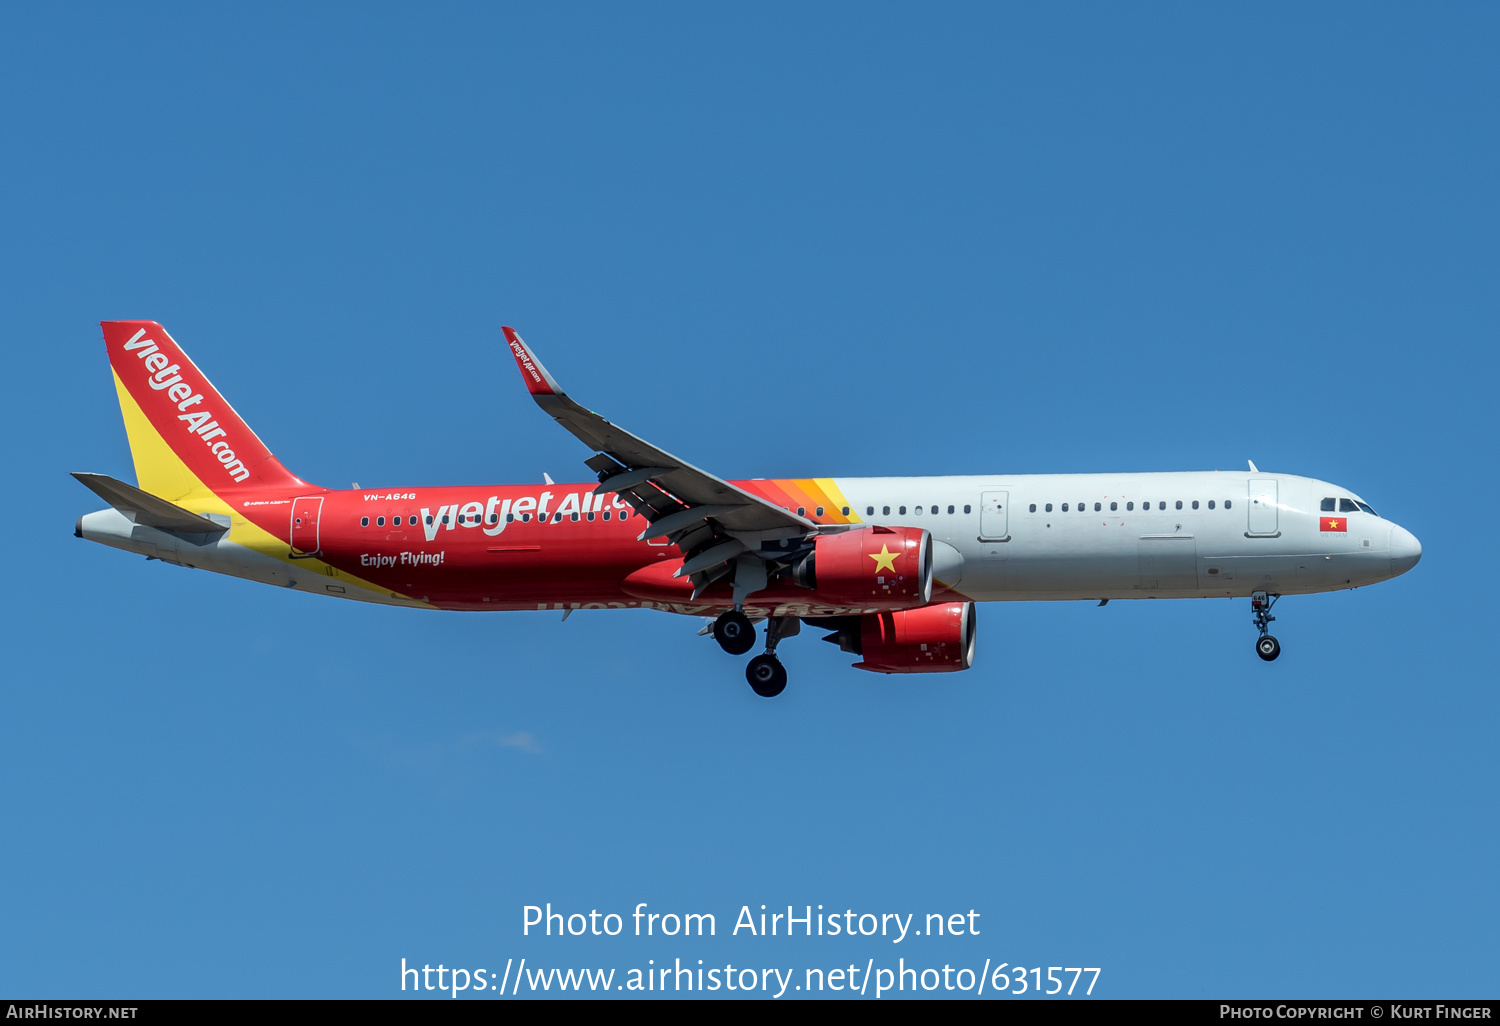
(892,568)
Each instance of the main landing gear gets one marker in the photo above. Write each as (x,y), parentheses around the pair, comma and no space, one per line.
(736,635)
(734,632)
(766,675)
(1267,647)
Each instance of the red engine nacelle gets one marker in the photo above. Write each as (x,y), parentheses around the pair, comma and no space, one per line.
(873,566)
(933,639)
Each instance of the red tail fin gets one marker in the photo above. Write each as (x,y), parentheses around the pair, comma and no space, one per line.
(184,437)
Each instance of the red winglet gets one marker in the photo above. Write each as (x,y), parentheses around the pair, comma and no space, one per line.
(538,381)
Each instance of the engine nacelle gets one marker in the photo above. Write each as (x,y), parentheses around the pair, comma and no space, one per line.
(934,639)
(872,566)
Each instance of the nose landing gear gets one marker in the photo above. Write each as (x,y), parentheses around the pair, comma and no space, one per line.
(1267,647)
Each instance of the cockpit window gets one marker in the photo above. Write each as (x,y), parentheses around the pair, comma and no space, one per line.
(1347,506)
(1367,509)
(1329,505)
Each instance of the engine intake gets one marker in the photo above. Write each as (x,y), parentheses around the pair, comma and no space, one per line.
(873,566)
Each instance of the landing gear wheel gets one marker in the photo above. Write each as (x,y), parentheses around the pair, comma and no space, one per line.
(1268,648)
(766,675)
(734,632)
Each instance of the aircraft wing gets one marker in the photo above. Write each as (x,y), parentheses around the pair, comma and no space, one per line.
(699,511)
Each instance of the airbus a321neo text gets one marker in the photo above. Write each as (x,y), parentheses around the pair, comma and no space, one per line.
(890,567)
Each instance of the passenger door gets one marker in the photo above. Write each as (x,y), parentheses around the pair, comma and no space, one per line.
(305,512)
(993,516)
(1262,508)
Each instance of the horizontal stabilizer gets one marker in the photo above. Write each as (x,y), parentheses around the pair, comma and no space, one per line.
(145,508)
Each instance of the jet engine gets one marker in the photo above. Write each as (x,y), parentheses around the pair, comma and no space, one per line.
(873,566)
(934,639)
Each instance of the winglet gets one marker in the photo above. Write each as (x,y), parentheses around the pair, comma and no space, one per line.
(538,381)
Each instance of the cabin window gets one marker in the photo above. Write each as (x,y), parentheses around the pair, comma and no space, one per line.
(591,516)
(1047,508)
(1097,507)
(1228,504)
(1347,506)
(802,511)
(1033,507)
(818,512)
(1113,506)
(606,514)
(1330,504)
(445,518)
(1161,505)
(885,511)
(525,518)
(1210,504)
(364,521)
(557,518)
(918,511)
(510,518)
(869,511)
(624,513)
(1179,503)
(846,511)
(573,517)
(966,507)
(950,511)
(380,521)
(903,511)
(429,519)
(1195,503)
(1130,506)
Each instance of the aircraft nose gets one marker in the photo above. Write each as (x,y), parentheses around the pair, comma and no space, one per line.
(1406,551)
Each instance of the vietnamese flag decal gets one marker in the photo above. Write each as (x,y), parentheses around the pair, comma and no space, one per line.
(1333,524)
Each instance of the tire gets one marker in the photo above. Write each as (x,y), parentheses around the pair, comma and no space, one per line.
(766,675)
(1268,648)
(734,632)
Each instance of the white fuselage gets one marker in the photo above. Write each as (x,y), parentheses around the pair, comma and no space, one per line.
(1091,536)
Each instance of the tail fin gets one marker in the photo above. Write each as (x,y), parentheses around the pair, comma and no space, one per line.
(187,442)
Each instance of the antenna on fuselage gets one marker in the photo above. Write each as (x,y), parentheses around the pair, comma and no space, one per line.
(547,478)
(1253,468)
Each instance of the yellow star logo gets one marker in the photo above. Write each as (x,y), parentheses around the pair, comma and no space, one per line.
(885,559)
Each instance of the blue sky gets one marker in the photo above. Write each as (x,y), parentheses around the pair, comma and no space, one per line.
(777,241)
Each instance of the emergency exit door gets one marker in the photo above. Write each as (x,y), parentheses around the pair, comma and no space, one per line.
(305,513)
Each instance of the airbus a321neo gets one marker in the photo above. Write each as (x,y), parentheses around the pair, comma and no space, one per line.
(890,567)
